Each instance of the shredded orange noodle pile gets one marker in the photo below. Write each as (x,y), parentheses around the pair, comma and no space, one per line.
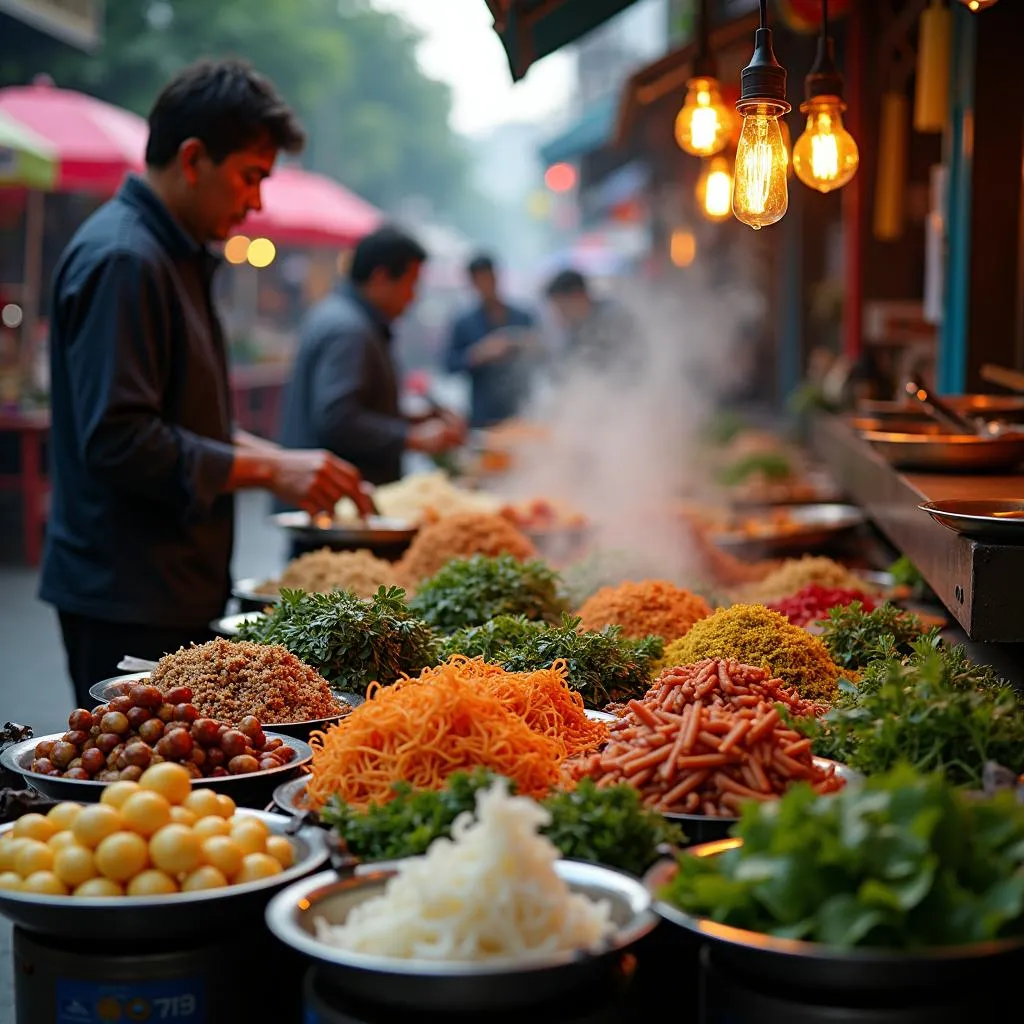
(541,698)
(449,719)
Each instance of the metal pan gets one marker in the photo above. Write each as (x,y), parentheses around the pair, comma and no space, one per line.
(157,919)
(456,986)
(702,828)
(995,522)
(811,965)
(118,685)
(254,789)
(949,453)
(808,527)
(229,625)
(374,531)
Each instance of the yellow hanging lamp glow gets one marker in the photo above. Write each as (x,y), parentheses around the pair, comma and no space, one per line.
(760,190)
(934,51)
(704,123)
(825,157)
(714,189)
(978,5)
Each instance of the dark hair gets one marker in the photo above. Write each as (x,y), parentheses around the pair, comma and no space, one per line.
(567,282)
(387,249)
(481,263)
(227,106)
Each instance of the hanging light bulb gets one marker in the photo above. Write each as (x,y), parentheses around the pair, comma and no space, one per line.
(825,157)
(760,193)
(704,124)
(714,189)
(978,5)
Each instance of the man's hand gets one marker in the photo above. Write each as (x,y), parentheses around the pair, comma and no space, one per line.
(433,436)
(316,481)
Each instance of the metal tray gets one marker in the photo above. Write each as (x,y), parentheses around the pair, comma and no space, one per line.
(117,685)
(997,522)
(448,986)
(813,526)
(990,407)
(702,828)
(255,789)
(812,965)
(160,918)
(375,531)
(246,591)
(950,453)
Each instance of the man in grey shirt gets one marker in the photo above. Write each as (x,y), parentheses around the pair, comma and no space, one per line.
(344,386)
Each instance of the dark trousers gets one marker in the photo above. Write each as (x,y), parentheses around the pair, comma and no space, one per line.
(94,647)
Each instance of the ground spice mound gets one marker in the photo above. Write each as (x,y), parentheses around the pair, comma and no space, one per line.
(641,609)
(796,573)
(755,635)
(461,536)
(320,572)
(230,680)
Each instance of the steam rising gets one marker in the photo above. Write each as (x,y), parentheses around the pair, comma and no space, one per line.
(622,445)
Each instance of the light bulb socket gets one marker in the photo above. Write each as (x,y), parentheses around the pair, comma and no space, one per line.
(763,80)
(824,78)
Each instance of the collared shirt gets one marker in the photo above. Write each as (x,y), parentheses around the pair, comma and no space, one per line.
(140,530)
(497,389)
(343,392)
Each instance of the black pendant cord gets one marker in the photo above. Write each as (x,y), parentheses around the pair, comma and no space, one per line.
(764,13)
(824,19)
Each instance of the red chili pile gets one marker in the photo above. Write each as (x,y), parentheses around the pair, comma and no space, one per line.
(813,603)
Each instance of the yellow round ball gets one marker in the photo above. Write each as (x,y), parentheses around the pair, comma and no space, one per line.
(204,877)
(33,857)
(98,887)
(146,812)
(226,805)
(11,880)
(152,882)
(250,834)
(281,849)
(169,780)
(202,802)
(74,865)
(211,825)
(34,826)
(95,823)
(44,883)
(122,856)
(257,866)
(175,849)
(64,814)
(182,816)
(9,851)
(59,840)
(223,854)
(117,792)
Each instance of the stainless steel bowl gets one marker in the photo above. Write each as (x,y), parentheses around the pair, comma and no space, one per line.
(811,965)
(702,828)
(229,625)
(160,918)
(440,985)
(989,520)
(807,527)
(375,532)
(253,789)
(949,453)
(118,685)
(247,592)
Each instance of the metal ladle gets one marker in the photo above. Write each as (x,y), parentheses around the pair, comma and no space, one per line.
(945,414)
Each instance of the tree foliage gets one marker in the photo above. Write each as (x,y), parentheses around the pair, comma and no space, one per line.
(375,121)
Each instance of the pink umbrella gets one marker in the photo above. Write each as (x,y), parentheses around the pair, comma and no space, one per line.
(95,144)
(302,208)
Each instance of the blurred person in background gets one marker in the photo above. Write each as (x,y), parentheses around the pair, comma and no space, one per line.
(491,343)
(343,394)
(145,459)
(599,331)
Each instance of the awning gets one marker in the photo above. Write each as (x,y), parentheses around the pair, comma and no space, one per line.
(25,159)
(531,29)
(591,131)
(670,73)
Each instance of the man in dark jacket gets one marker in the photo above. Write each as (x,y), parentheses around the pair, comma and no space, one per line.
(491,344)
(145,457)
(343,394)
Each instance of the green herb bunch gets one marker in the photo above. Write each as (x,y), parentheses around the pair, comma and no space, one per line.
(472,591)
(935,709)
(904,862)
(773,466)
(855,637)
(604,668)
(607,826)
(349,641)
